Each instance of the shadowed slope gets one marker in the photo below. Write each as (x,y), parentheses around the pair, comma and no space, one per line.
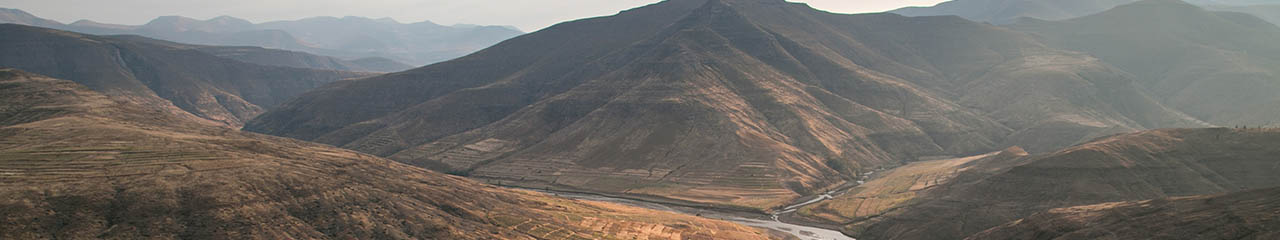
(1267,11)
(740,102)
(76,164)
(1127,167)
(226,91)
(283,58)
(1241,215)
(1220,67)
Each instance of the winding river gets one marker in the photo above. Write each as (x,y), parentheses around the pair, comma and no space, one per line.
(750,219)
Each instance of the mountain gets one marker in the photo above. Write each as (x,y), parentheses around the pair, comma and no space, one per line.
(1269,12)
(9,15)
(224,91)
(283,58)
(957,199)
(273,57)
(221,31)
(1243,215)
(1220,67)
(1008,11)
(748,103)
(1230,2)
(380,64)
(417,44)
(77,164)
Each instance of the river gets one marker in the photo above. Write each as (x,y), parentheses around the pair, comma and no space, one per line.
(750,219)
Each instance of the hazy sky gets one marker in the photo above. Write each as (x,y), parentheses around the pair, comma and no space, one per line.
(528,15)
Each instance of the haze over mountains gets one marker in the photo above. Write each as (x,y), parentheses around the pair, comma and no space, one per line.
(807,100)
(156,73)
(1220,67)
(355,38)
(1009,11)
(77,164)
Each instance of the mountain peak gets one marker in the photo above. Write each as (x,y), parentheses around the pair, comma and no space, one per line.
(1174,2)
(14,11)
(224,19)
(12,15)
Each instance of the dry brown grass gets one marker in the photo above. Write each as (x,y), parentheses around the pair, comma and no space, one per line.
(75,164)
(891,190)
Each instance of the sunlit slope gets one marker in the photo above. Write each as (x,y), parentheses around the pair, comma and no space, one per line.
(76,164)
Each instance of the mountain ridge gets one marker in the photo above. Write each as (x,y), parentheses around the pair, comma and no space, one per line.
(999,189)
(807,99)
(1215,66)
(413,43)
(77,163)
(186,81)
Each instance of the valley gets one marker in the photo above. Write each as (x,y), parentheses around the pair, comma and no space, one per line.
(674,119)
(799,231)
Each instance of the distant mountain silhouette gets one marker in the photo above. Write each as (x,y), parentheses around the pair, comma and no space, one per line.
(1269,12)
(9,15)
(349,37)
(748,103)
(418,43)
(1008,11)
(284,58)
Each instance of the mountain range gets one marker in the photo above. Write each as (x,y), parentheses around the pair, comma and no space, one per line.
(1098,119)
(1219,67)
(283,58)
(745,103)
(1010,11)
(178,77)
(77,164)
(352,38)
(1269,12)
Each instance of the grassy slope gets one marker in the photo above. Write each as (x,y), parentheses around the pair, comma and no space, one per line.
(75,164)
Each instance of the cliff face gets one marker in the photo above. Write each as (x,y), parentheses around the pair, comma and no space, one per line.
(223,91)
(747,103)
(75,163)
